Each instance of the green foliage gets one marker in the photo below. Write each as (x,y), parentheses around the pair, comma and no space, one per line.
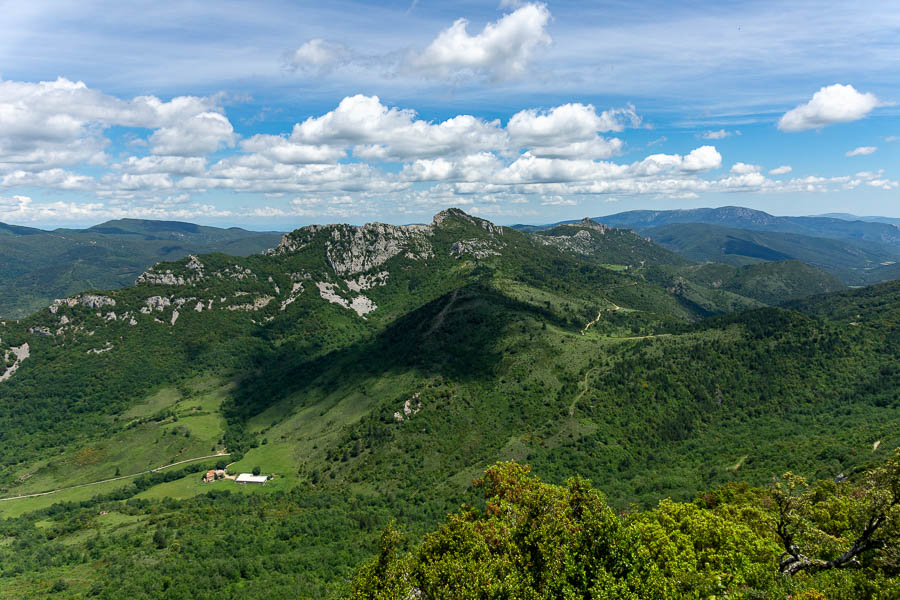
(534,540)
(834,526)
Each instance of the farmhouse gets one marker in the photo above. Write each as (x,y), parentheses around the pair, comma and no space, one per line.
(249,478)
(215,475)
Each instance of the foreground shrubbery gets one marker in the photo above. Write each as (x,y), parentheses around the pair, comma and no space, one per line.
(535,540)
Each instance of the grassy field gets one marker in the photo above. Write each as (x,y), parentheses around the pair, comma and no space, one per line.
(168,427)
(20,506)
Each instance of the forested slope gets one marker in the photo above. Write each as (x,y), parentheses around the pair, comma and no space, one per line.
(375,372)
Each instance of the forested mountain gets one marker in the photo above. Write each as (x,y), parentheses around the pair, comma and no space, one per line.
(849,217)
(746,218)
(375,371)
(858,251)
(853,262)
(37,266)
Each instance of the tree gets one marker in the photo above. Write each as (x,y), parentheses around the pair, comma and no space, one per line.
(160,539)
(257,470)
(833,525)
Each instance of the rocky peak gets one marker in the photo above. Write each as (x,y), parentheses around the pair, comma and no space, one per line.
(353,249)
(357,249)
(589,223)
(459,215)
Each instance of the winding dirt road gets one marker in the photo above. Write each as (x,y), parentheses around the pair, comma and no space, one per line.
(81,485)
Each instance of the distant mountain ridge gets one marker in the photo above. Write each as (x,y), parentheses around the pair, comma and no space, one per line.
(855,262)
(858,251)
(850,217)
(37,266)
(881,230)
(747,218)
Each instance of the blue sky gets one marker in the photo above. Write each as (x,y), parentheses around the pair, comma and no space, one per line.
(279,114)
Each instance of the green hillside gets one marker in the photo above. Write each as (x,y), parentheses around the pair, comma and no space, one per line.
(375,372)
(770,282)
(38,266)
(854,262)
(607,245)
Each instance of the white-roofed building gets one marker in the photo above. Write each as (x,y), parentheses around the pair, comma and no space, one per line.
(250,478)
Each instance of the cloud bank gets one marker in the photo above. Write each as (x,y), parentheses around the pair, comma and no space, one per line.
(62,138)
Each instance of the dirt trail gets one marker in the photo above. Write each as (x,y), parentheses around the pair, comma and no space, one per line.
(614,308)
(439,319)
(81,485)
(600,314)
(584,385)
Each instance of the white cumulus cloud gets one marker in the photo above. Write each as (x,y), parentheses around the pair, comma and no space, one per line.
(570,130)
(782,170)
(502,50)
(62,123)
(740,168)
(376,131)
(282,150)
(703,158)
(558,201)
(831,104)
(175,165)
(200,134)
(861,151)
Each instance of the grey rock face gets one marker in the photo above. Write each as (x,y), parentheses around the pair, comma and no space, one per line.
(358,249)
(157,303)
(361,305)
(61,302)
(350,249)
(94,301)
(477,248)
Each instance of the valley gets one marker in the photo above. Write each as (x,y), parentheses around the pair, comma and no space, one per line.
(376,371)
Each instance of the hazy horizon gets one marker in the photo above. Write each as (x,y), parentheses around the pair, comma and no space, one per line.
(275,227)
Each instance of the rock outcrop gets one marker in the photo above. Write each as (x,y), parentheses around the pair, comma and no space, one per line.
(477,248)
(366,282)
(360,304)
(154,276)
(158,303)
(20,353)
(350,249)
(257,304)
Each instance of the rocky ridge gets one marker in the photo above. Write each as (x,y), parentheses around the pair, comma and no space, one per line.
(341,265)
